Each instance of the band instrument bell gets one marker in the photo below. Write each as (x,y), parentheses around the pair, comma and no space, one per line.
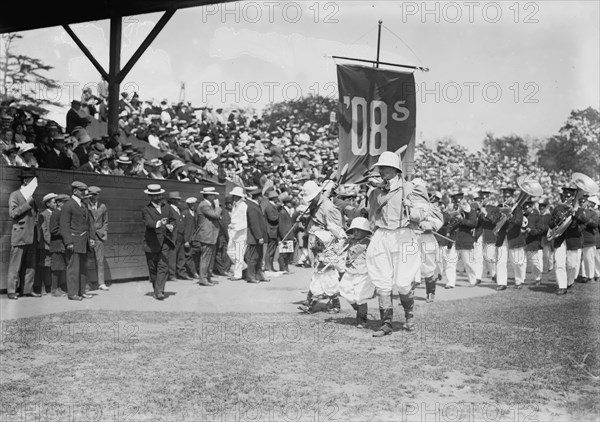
(529,188)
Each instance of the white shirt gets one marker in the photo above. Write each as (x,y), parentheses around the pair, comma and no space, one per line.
(239,220)
(77,199)
(175,208)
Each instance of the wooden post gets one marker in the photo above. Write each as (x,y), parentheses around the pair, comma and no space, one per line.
(113,74)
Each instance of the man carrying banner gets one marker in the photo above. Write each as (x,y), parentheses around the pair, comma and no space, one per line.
(396,208)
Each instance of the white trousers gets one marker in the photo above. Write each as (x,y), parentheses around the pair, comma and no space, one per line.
(356,288)
(489,251)
(597,265)
(548,258)
(536,258)
(393,259)
(588,258)
(430,254)
(235,249)
(325,283)
(518,259)
(566,265)
(450,258)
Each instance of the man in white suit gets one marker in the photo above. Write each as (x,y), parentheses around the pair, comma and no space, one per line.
(237,232)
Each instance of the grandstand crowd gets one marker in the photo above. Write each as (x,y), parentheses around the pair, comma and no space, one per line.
(203,143)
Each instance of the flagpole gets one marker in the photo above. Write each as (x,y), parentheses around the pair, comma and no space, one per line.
(378,43)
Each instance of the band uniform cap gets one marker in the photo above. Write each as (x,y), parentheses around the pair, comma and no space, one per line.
(237,191)
(568,191)
(389,159)
(174,195)
(209,191)
(48,197)
(94,190)
(507,189)
(360,223)
(154,189)
(191,200)
(457,195)
(79,185)
(310,190)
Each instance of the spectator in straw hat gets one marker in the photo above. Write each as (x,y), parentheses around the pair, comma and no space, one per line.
(23,212)
(123,166)
(158,238)
(205,238)
(177,257)
(155,166)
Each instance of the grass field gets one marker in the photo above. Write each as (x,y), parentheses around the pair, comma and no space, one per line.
(525,355)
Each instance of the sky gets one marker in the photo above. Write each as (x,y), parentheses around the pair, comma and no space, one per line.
(505,67)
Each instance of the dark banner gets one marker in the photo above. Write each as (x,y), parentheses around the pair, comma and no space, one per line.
(376,113)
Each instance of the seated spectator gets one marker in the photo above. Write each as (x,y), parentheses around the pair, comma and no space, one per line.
(92,165)
(70,151)
(25,156)
(104,162)
(9,156)
(56,157)
(123,166)
(20,134)
(156,169)
(137,165)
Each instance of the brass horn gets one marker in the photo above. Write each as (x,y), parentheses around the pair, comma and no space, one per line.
(529,188)
(584,184)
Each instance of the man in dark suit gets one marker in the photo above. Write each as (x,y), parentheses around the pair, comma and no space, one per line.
(56,158)
(73,117)
(189,222)
(222,261)
(158,238)
(76,227)
(207,232)
(58,263)
(23,238)
(257,233)
(99,233)
(285,224)
(272,215)
(93,163)
(177,258)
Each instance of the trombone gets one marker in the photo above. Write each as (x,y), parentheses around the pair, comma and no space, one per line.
(584,184)
(529,188)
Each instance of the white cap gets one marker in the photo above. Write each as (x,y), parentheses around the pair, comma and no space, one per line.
(310,190)
(389,159)
(191,200)
(237,191)
(360,223)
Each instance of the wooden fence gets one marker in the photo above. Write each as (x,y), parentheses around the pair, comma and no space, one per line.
(124,198)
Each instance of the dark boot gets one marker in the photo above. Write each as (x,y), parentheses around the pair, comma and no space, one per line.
(308,304)
(408,303)
(335,305)
(361,315)
(430,289)
(386,313)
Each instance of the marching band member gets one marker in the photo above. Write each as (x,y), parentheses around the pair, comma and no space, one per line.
(462,225)
(588,239)
(485,245)
(429,245)
(547,250)
(567,246)
(536,229)
(355,286)
(511,246)
(325,231)
(396,208)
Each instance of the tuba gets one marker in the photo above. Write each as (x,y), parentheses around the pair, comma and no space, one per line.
(529,188)
(584,184)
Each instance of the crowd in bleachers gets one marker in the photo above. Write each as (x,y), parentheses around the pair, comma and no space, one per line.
(202,143)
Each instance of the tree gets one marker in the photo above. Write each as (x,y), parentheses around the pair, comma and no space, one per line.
(22,78)
(513,147)
(313,109)
(577,145)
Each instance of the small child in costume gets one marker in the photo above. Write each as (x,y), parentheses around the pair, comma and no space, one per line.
(324,283)
(355,286)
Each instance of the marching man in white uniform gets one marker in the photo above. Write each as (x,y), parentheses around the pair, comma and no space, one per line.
(237,232)
(393,258)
